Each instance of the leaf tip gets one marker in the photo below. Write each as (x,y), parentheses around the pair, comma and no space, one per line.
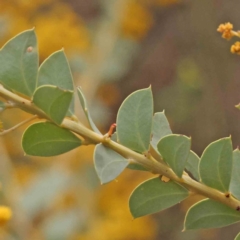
(237,106)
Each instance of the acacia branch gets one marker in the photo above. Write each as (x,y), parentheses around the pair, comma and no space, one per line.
(148,162)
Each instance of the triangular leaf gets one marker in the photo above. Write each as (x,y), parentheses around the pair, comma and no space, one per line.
(134,120)
(216,164)
(160,129)
(46,139)
(53,101)
(210,214)
(175,150)
(19,63)
(154,196)
(83,102)
(55,71)
(108,163)
(235,179)
(193,164)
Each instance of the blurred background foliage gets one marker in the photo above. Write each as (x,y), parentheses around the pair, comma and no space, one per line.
(115,47)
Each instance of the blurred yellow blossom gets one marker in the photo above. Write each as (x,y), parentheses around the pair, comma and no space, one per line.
(56,24)
(137,21)
(5,214)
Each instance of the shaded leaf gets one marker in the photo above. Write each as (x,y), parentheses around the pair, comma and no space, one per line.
(53,101)
(83,102)
(135,166)
(193,164)
(210,214)
(19,63)
(154,196)
(215,167)
(235,178)
(160,129)
(134,120)
(46,139)
(108,163)
(175,150)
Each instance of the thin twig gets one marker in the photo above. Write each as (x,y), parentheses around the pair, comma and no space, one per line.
(18,125)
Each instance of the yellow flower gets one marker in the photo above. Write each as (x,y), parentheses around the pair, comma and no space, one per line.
(5,214)
(226,30)
(136,21)
(235,48)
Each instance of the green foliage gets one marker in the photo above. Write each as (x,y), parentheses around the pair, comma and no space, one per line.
(19,63)
(193,165)
(83,102)
(45,139)
(108,163)
(210,214)
(154,196)
(53,101)
(160,129)
(135,166)
(175,150)
(237,237)
(215,175)
(134,120)
(235,180)
(55,71)
(216,164)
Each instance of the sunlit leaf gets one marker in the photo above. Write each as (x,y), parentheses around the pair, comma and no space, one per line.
(53,101)
(154,196)
(83,102)
(216,164)
(108,163)
(210,214)
(193,164)
(134,120)
(19,63)
(235,179)
(175,150)
(160,129)
(46,139)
